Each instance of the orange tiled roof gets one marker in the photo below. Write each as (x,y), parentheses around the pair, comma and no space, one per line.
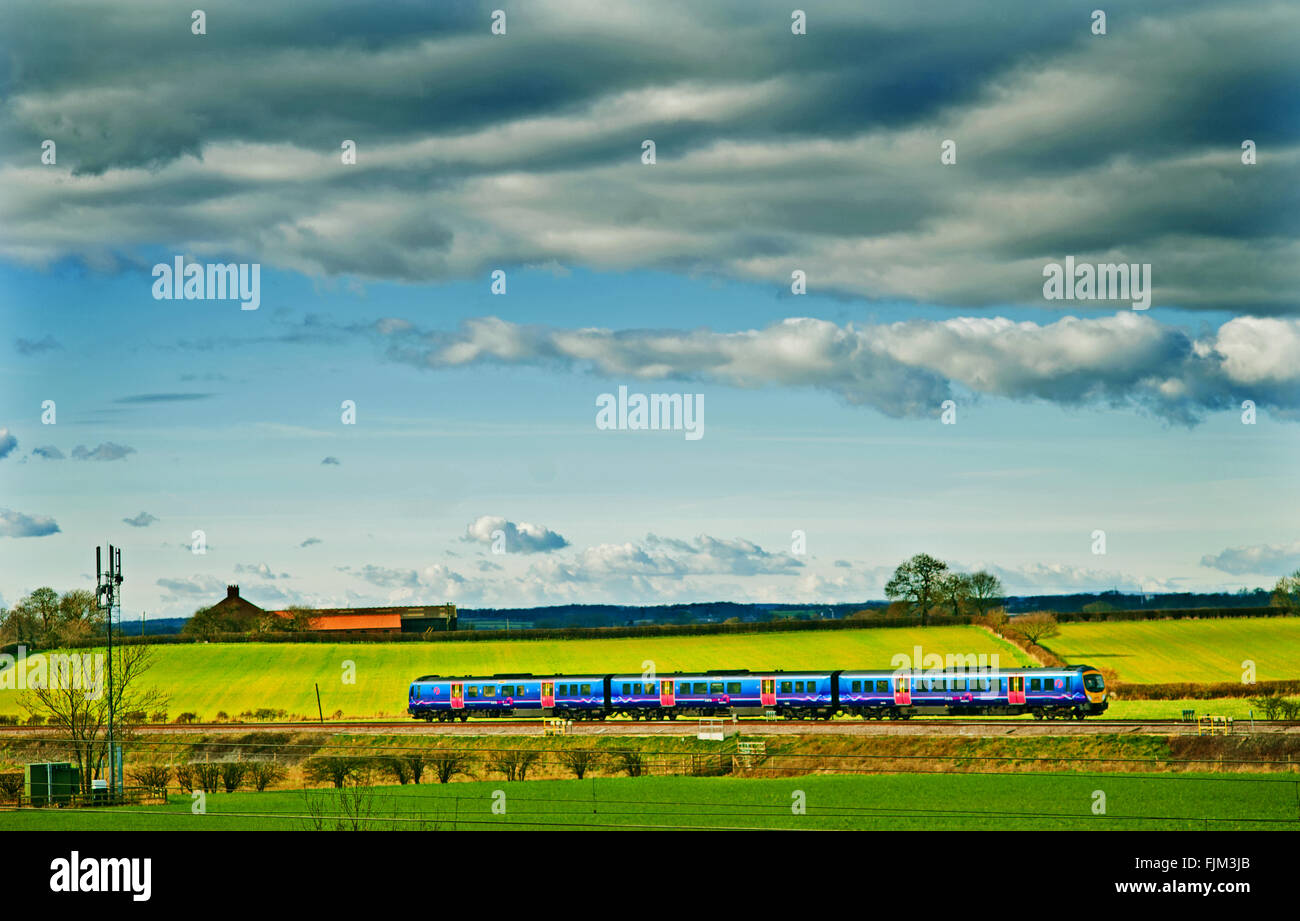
(357,622)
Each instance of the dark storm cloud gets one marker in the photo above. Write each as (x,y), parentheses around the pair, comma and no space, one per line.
(774,151)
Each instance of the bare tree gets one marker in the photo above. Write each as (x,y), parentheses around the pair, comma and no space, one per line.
(74,699)
(448,762)
(1036,627)
(986,591)
(580,760)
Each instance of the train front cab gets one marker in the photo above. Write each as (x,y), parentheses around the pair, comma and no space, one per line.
(1094,688)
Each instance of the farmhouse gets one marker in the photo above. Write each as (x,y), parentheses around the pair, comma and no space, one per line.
(411,619)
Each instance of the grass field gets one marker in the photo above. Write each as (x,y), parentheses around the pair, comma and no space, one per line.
(877,802)
(1203,651)
(234,677)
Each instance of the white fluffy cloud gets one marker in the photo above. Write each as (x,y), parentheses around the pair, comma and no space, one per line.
(908,368)
(518,538)
(1258,559)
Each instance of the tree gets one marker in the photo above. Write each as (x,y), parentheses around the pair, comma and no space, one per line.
(986,591)
(74,700)
(447,763)
(262,774)
(580,760)
(916,582)
(1036,627)
(955,591)
(1286,594)
(336,769)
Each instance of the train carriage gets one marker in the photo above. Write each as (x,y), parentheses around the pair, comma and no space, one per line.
(1070,692)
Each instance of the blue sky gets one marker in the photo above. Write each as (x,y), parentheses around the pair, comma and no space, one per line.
(476,412)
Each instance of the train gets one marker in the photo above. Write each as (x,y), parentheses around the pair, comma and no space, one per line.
(1071,692)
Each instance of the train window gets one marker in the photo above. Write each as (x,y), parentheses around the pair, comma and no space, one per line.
(683,688)
(1035,684)
(471,691)
(586,689)
(882,687)
(959,684)
(786,687)
(490,690)
(733,687)
(798,687)
(985,684)
(649,688)
(857,687)
(627,688)
(700,688)
(715,687)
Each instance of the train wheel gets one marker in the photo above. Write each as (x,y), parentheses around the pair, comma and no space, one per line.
(1038,714)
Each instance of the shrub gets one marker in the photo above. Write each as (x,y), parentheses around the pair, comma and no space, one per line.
(151,777)
(208,774)
(187,717)
(514,764)
(336,769)
(11,787)
(185,775)
(262,774)
(580,760)
(232,775)
(631,763)
(158,716)
(447,763)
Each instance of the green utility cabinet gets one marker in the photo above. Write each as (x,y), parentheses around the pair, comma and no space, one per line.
(51,783)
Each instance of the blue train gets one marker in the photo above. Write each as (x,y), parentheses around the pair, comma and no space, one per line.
(1073,692)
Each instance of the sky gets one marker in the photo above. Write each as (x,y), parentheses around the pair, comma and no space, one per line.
(837,257)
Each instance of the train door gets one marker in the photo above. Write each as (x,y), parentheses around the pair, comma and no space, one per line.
(548,694)
(767,692)
(902,690)
(666,696)
(457,695)
(1015,689)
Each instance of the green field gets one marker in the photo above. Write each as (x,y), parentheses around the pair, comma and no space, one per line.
(876,802)
(233,677)
(1201,651)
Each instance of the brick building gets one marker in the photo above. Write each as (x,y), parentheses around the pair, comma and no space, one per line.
(410,619)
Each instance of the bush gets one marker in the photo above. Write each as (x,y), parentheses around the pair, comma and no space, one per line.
(262,774)
(158,716)
(447,763)
(232,775)
(185,776)
(8,719)
(11,787)
(336,769)
(396,766)
(152,777)
(580,760)
(415,762)
(514,765)
(187,717)
(631,763)
(208,774)
(35,720)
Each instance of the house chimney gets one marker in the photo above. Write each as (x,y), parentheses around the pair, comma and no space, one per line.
(232,591)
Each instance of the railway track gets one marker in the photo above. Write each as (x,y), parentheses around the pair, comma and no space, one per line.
(749,726)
